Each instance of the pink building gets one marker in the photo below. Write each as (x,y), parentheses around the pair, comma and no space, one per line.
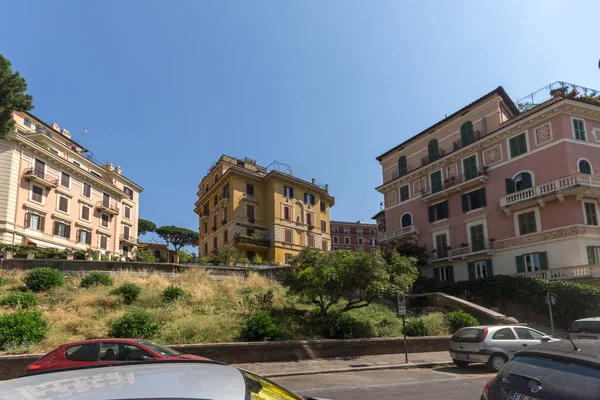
(55,194)
(491,190)
(353,235)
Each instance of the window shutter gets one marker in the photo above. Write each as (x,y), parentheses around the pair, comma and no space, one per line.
(445,209)
(451,274)
(55,228)
(510,186)
(436,273)
(520,263)
(88,239)
(522,141)
(431,212)
(27,220)
(78,235)
(68,231)
(527,181)
(591,253)
(543,260)
(514,149)
(489,268)
(471,269)
(482,199)
(465,202)
(42,221)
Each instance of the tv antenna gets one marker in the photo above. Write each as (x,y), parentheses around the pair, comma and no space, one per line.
(279,166)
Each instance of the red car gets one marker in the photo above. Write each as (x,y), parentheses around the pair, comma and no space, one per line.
(106,351)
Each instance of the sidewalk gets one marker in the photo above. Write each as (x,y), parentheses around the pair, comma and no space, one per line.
(346,364)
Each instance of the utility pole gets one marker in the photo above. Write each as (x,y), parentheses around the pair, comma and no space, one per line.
(551,300)
(402,313)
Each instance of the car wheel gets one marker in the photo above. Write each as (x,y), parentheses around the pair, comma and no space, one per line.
(461,363)
(497,362)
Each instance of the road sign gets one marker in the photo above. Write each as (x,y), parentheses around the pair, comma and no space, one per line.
(401,304)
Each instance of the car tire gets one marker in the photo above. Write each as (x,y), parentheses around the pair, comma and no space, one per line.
(497,362)
(461,363)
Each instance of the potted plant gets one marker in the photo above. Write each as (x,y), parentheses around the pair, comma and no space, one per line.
(69,253)
(558,92)
(245,261)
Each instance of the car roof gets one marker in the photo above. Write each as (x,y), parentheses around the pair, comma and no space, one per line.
(491,327)
(93,341)
(587,350)
(597,319)
(147,380)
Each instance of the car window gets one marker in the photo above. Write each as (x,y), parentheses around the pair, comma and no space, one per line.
(258,388)
(468,335)
(528,334)
(81,352)
(586,327)
(113,351)
(160,349)
(504,334)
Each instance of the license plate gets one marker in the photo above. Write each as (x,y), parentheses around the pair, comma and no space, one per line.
(519,396)
(462,356)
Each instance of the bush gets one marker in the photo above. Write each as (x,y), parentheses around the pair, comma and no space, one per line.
(134,324)
(128,291)
(96,278)
(344,326)
(2,281)
(416,326)
(22,328)
(145,255)
(104,257)
(172,293)
(42,279)
(459,319)
(264,301)
(257,260)
(19,300)
(260,326)
(436,324)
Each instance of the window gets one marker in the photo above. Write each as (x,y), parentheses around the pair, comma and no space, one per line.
(521,182)
(128,192)
(65,180)
(402,166)
(433,150)
(250,189)
(123,352)
(372,232)
(309,199)
(480,269)
(39,168)
(104,220)
(591,217)
(214,222)
(85,236)
(127,212)
(34,221)
(347,240)
(287,213)
(157,254)
(205,227)
(288,258)
(215,243)
(106,200)
(359,231)
(406,220)
(517,145)
(87,190)
(63,204)
(38,128)
(311,240)
(216,199)
(37,194)
(250,232)
(527,223)
(360,241)
(438,211)
(323,226)
(62,230)
(504,334)
(288,236)
(441,246)
(96,174)
(225,236)
(76,163)
(335,240)
(323,206)
(216,178)
(48,133)
(445,274)
(205,248)
(250,212)
(309,219)
(27,122)
(373,242)
(436,181)
(324,245)
(579,129)
(82,352)
(85,212)
(585,167)
(346,230)
(126,232)
(532,262)
(466,133)
(103,242)
(473,200)
(477,237)
(334,229)
(470,167)
(225,213)
(288,192)
(529,334)
(404,195)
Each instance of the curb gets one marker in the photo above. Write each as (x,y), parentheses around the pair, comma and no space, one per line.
(358,369)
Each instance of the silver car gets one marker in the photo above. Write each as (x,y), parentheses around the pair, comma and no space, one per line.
(493,345)
(586,328)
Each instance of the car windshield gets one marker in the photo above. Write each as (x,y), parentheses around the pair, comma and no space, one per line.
(586,327)
(258,388)
(160,349)
(468,335)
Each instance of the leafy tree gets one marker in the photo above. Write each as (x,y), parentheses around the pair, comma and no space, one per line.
(145,255)
(228,252)
(186,257)
(357,278)
(178,237)
(12,96)
(145,226)
(414,250)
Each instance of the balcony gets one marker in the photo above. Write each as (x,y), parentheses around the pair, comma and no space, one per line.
(429,159)
(399,235)
(577,184)
(455,184)
(472,248)
(566,273)
(460,143)
(128,239)
(41,177)
(109,207)
(251,242)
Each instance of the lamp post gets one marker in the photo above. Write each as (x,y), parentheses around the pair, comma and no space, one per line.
(168,239)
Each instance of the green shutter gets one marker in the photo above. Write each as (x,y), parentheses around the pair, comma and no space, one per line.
(489,268)
(591,253)
(482,199)
(465,202)
(433,150)
(514,148)
(436,273)
(451,274)
(466,133)
(543,256)
(445,209)
(436,181)
(431,212)
(471,269)
(520,263)
(522,141)
(402,167)
(510,186)
(470,167)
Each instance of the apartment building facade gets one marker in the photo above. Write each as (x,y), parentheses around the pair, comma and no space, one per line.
(353,235)
(266,212)
(54,194)
(491,190)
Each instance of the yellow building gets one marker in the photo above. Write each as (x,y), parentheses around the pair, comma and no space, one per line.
(266,212)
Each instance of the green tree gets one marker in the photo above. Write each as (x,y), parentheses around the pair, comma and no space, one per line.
(178,237)
(186,257)
(145,255)
(416,251)
(354,279)
(145,226)
(12,96)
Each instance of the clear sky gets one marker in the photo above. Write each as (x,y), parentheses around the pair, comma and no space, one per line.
(165,87)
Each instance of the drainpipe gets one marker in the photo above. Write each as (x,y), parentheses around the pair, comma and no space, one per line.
(17,200)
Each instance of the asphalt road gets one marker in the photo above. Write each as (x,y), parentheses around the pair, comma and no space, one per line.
(413,384)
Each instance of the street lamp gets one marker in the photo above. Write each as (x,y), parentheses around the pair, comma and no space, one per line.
(168,239)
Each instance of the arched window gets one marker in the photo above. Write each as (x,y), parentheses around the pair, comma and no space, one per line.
(27,122)
(585,167)
(466,133)
(406,220)
(523,181)
(402,167)
(434,152)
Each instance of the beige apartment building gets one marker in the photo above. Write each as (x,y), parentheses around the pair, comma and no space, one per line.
(53,193)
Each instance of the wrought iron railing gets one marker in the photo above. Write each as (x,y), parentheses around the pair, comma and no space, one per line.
(462,142)
(41,174)
(252,240)
(429,158)
(473,247)
(569,90)
(454,181)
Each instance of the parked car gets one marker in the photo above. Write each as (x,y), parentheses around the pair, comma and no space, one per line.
(106,351)
(586,328)
(167,379)
(558,371)
(493,345)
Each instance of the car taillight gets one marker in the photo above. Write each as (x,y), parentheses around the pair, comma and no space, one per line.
(34,367)
(485,332)
(486,388)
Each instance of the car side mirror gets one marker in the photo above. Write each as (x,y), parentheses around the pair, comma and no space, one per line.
(546,338)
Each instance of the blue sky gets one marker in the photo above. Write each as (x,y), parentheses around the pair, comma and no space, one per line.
(165,87)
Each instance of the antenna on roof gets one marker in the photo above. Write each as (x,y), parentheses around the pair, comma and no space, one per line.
(575,348)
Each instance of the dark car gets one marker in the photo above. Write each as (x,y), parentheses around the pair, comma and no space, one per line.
(553,371)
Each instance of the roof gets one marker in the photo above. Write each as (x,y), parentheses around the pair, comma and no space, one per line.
(382,212)
(499,91)
(587,350)
(352,223)
(597,319)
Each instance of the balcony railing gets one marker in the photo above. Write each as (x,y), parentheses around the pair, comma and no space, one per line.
(42,177)
(110,207)
(399,234)
(128,238)
(473,247)
(462,142)
(242,239)
(554,187)
(431,158)
(456,182)
(566,273)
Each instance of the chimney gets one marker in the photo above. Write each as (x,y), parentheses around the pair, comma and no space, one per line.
(55,126)
(313,181)
(109,167)
(118,170)
(66,133)
(327,187)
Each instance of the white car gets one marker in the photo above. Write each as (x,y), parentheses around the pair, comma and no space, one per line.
(493,345)
(586,328)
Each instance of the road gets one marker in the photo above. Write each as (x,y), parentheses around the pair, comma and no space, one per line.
(413,384)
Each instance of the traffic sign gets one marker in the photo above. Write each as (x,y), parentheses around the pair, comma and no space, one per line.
(401,304)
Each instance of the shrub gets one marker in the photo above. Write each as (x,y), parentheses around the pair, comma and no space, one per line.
(19,300)
(2,281)
(257,260)
(460,319)
(172,293)
(145,255)
(96,278)
(264,301)
(42,279)
(260,326)
(22,328)
(104,257)
(128,291)
(416,326)
(344,326)
(436,324)
(134,324)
